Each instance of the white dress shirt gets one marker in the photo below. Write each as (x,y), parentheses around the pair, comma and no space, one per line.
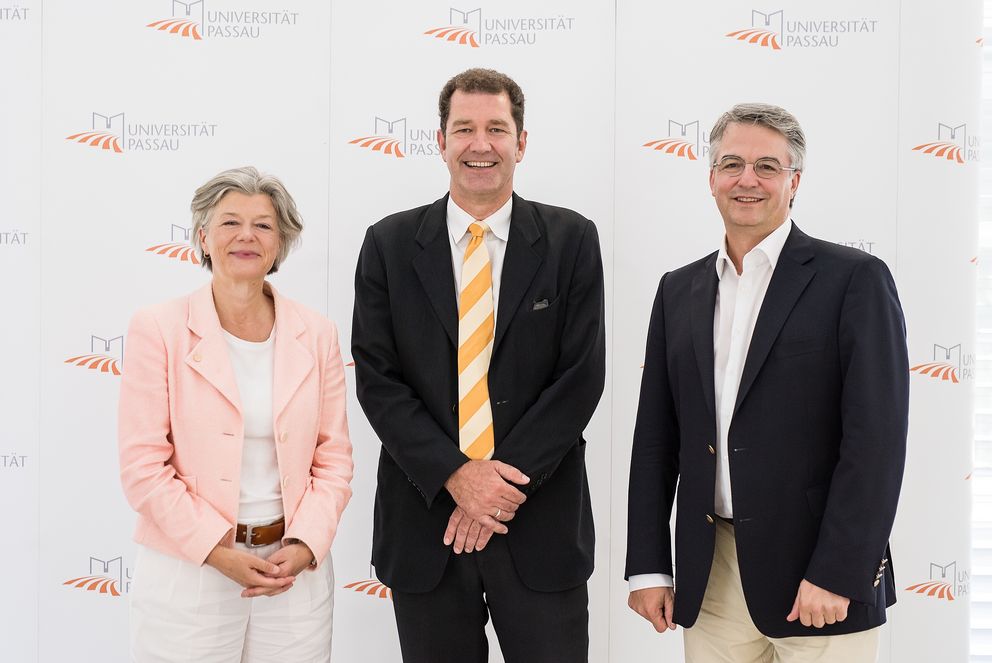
(458,235)
(738,301)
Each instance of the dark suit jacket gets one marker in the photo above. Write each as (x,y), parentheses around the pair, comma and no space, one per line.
(817,439)
(545,379)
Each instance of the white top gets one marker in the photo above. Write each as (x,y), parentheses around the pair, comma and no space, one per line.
(458,236)
(261,493)
(738,302)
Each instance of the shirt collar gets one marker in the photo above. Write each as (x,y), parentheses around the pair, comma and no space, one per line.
(499,221)
(771,246)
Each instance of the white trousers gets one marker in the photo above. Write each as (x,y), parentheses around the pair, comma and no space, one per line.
(724,632)
(182,612)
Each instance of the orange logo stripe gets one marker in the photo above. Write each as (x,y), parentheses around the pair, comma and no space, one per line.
(102,363)
(456,34)
(98,139)
(372,588)
(380,143)
(940,590)
(949,151)
(101,584)
(680,148)
(183,252)
(178,26)
(760,37)
(940,370)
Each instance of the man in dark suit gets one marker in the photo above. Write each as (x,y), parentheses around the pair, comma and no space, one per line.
(775,394)
(479,347)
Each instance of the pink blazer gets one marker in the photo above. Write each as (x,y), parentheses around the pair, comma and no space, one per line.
(181,429)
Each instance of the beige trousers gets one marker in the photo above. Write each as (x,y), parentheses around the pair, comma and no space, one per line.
(724,632)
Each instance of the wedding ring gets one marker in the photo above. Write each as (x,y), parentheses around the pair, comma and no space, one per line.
(498,511)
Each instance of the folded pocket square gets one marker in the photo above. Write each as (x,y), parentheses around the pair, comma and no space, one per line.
(540,304)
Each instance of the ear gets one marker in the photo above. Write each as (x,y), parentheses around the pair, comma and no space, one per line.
(712,182)
(796,176)
(440,144)
(521,145)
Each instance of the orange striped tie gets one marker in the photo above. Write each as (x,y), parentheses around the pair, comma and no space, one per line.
(476,321)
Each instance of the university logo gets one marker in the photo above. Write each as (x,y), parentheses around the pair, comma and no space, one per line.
(463,27)
(770,29)
(388,138)
(13,238)
(186,20)
(945,582)
(106,355)
(952,144)
(949,364)
(178,248)
(106,132)
(106,577)
(467,27)
(684,140)
(765,30)
(14,13)
(371,588)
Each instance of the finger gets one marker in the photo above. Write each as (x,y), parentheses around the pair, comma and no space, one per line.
(461,533)
(493,524)
(794,613)
(806,618)
(510,494)
(473,536)
(484,535)
(668,609)
(449,532)
(260,580)
(265,566)
(253,592)
(510,473)
(841,614)
(829,618)
(658,621)
(818,620)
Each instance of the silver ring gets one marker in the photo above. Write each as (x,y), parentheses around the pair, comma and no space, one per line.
(498,512)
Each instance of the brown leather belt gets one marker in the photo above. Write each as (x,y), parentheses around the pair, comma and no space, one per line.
(256,536)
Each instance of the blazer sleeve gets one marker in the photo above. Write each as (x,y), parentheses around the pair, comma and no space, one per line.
(654,459)
(407,430)
(151,485)
(319,512)
(539,440)
(864,489)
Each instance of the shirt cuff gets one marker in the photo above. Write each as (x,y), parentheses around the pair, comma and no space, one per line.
(646,580)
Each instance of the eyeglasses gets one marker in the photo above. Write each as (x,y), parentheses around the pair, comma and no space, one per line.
(765,167)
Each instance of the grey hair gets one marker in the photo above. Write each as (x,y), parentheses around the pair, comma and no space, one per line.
(765,115)
(249,181)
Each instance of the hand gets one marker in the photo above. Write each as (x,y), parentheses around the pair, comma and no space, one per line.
(292,560)
(249,571)
(467,534)
(815,606)
(655,604)
(482,489)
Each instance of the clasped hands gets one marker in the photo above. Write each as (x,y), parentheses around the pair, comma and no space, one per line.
(814,606)
(486,498)
(261,577)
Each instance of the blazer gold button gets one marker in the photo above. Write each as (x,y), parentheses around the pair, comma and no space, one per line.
(285,481)
(876,583)
(709,519)
(711,449)
(282,438)
(196,357)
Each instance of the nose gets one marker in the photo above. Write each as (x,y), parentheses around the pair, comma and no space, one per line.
(245,231)
(748,177)
(480,141)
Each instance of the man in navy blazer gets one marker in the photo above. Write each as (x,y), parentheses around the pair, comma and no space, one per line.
(525,513)
(775,394)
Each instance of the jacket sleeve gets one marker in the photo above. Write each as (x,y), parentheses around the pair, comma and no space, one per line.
(151,485)
(539,440)
(654,459)
(319,512)
(409,433)
(864,489)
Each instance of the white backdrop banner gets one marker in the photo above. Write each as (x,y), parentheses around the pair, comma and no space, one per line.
(115,112)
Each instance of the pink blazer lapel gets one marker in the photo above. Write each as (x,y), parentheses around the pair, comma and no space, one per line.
(209,356)
(293,360)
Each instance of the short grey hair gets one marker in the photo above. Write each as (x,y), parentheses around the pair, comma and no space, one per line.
(765,115)
(249,181)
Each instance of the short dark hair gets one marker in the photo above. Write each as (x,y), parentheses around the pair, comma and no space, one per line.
(487,81)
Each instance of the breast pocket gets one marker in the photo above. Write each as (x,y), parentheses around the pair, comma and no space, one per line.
(798,346)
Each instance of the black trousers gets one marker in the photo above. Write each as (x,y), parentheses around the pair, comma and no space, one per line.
(447,624)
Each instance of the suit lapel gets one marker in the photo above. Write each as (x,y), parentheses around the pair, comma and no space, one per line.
(789,280)
(520,263)
(209,357)
(704,289)
(293,361)
(434,268)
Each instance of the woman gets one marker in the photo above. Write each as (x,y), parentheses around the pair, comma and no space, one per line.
(234,447)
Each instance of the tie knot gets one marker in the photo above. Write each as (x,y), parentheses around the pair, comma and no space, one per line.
(478,229)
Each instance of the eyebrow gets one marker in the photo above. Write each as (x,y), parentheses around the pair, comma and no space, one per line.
(499,122)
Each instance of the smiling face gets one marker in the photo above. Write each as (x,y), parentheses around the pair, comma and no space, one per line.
(751,205)
(242,237)
(481,147)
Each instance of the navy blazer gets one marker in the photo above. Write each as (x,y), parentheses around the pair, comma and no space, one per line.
(546,376)
(816,445)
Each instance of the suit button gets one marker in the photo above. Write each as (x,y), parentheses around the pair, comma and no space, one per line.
(454,409)
(285,481)
(196,357)
(709,519)
(283,437)
(876,583)
(711,449)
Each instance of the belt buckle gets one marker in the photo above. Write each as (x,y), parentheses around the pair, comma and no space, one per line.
(250,536)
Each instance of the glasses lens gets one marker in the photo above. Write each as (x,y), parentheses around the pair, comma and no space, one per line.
(767,168)
(731,166)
